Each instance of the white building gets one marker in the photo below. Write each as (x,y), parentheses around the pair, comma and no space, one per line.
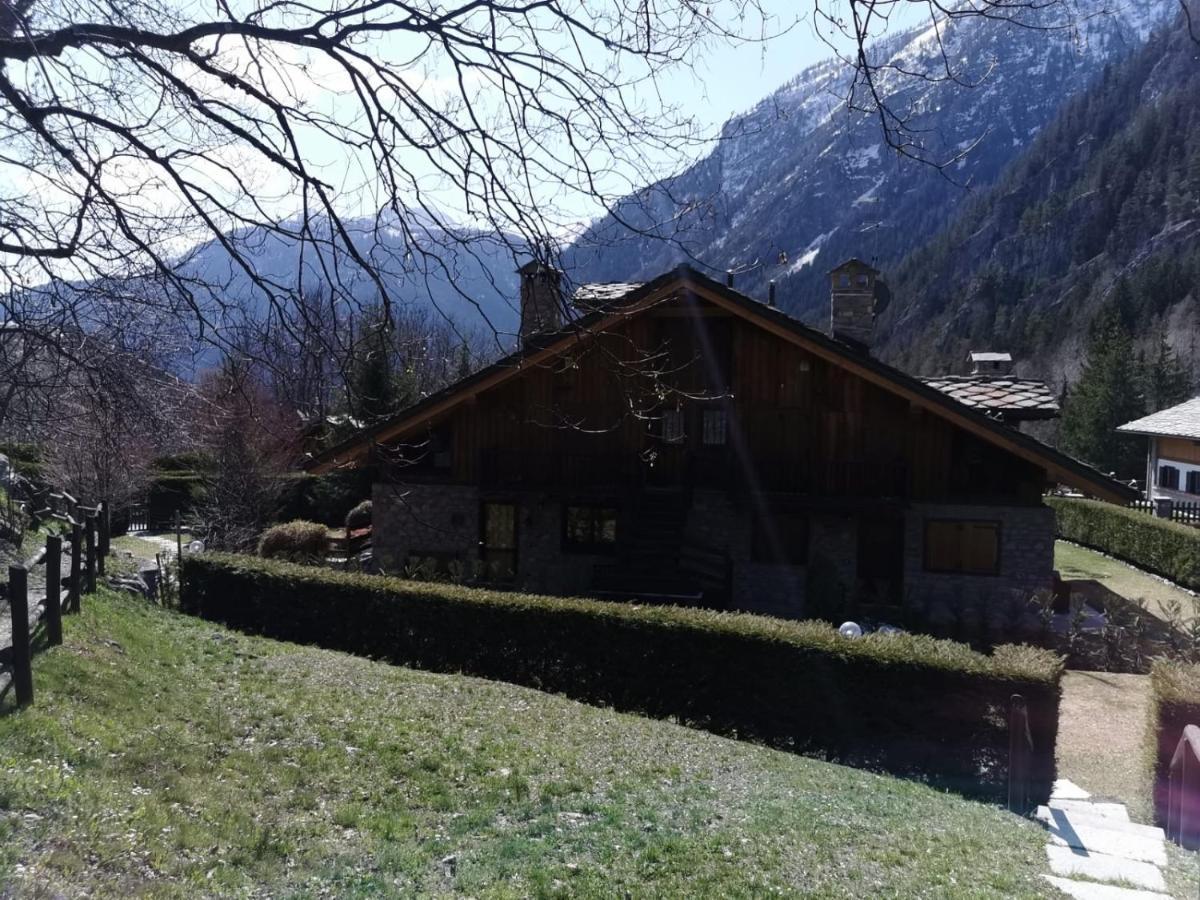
(1173,461)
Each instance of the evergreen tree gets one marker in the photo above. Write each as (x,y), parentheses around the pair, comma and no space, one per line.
(1167,380)
(1108,394)
(372,386)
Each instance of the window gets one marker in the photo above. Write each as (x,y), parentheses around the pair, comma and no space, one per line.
(671,426)
(498,546)
(590,529)
(1168,477)
(969,547)
(715,423)
(863,280)
(781,539)
(1193,482)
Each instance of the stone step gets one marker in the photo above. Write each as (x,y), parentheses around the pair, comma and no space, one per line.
(1111,843)
(1088,807)
(1091,890)
(1070,863)
(1065,789)
(1081,819)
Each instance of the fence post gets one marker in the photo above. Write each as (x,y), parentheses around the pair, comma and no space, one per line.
(102,538)
(1018,755)
(22,660)
(89,536)
(54,589)
(76,566)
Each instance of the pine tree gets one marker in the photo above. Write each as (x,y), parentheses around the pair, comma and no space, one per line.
(1167,381)
(372,387)
(1107,394)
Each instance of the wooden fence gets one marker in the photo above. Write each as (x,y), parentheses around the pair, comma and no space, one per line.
(86,531)
(1186,512)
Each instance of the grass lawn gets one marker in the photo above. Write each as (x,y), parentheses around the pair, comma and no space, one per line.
(1075,562)
(167,757)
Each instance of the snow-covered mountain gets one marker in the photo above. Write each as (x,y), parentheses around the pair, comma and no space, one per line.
(801,181)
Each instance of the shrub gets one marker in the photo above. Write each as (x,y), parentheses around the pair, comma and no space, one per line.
(296,540)
(1156,545)
(906,703)
(27,460)
(325,498)
(359,517)
(1174,703)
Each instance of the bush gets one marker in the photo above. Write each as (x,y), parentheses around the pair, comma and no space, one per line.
(297,540)
(325,498)
(906,703)
(28,460)
(1174,703)
(359,517)
(1156,545)
(170,493)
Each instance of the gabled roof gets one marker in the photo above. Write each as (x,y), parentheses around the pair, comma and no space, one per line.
(1178,421)
(643,297)
(1016,398)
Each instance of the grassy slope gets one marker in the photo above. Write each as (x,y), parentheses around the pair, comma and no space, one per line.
(1073,561)
(165,756)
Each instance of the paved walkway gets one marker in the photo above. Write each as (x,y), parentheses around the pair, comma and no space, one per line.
(1097,853)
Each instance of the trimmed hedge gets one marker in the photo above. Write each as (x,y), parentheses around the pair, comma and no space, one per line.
(905,703)
(297,540)
(1174,703)
(1157,545)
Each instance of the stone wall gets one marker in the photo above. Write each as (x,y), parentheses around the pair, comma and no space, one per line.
(411,520)
(1026,555)
(420,519)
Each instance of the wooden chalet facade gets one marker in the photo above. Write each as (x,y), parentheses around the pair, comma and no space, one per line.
(681,439)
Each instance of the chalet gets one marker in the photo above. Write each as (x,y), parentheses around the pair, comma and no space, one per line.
(1173,460)
(680,438)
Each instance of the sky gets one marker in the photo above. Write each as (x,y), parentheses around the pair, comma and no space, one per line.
(734,78)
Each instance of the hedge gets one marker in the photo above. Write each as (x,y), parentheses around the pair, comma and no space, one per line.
(1157,545)
(296,540)
(1174,703)
(905,703)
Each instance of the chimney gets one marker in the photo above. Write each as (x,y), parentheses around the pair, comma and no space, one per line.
(541,299)
(989,363)
(852,303)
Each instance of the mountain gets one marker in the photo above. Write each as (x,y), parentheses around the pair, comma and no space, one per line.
(1102,209)
(802,182)
(463,274)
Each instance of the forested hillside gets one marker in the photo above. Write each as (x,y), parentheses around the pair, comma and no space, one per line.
(1101,213)
(800,182)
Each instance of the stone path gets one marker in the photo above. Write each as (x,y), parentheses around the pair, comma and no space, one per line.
(1096,853)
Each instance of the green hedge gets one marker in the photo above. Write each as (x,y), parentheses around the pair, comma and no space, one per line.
(1156,545)
(905,703)
(1174,703)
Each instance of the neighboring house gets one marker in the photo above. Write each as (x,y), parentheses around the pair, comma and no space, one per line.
(1173,461)
(678,438)
(993,389)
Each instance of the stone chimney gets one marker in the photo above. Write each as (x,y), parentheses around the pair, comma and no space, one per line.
(988,363)
(541,299)
(852,303)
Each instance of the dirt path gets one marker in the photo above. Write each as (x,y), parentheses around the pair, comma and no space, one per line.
(1100,732)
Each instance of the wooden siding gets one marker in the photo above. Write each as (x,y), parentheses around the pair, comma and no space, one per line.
(1180,449)
(593,414)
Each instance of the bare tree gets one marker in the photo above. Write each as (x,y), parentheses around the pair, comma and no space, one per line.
(133,133)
